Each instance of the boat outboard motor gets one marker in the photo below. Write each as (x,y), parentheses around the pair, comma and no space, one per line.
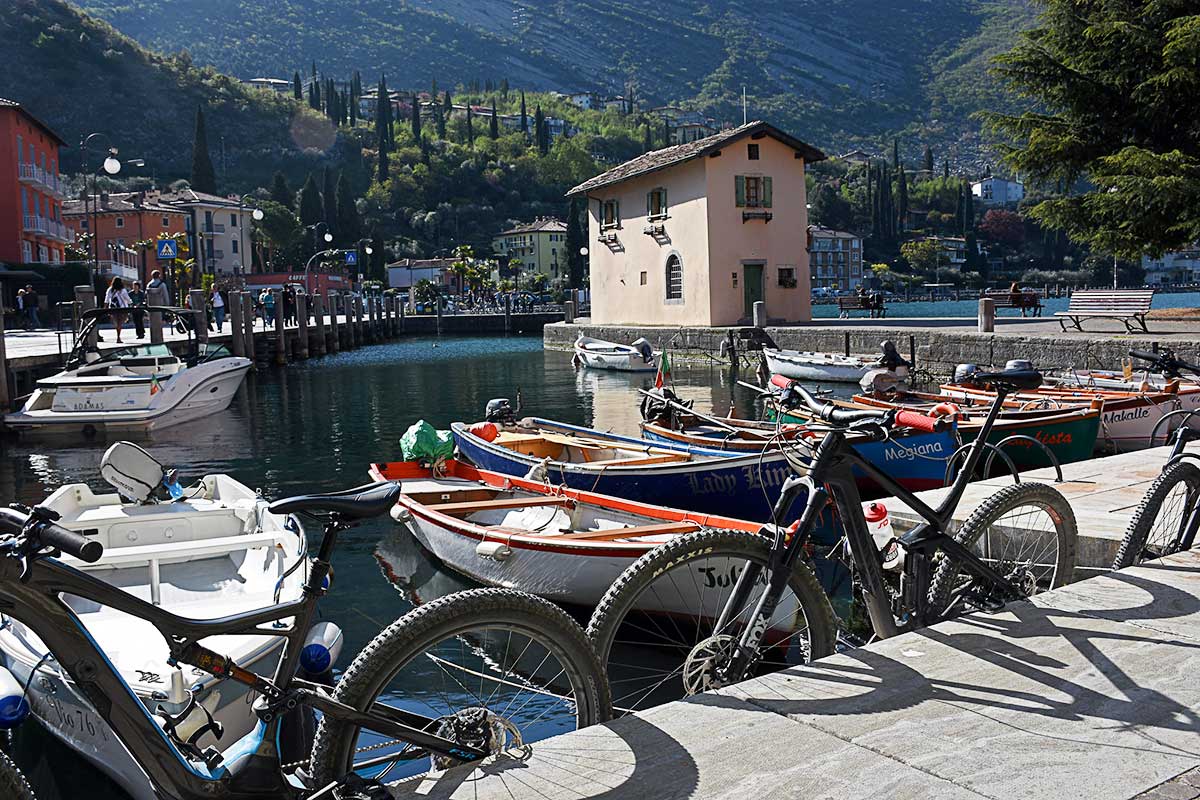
(500,412)
(643,347)
(890,357)
(965,373)
(883,380)
(132,471)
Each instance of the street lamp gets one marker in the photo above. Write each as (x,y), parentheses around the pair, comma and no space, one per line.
(111,166)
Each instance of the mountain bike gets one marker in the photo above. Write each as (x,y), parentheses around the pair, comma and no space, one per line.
(1168,518)
(744,604)
(456,681)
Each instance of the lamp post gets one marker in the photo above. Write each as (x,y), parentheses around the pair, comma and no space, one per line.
(364,243)
(257,215)
(111,166)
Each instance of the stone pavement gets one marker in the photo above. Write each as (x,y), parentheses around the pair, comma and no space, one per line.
(1086,692)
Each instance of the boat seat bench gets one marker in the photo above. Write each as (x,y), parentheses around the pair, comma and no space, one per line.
(629,462)
(472,506)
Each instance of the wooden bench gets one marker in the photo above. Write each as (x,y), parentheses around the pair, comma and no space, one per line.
(1127,305)
(1026,301)
(873,305)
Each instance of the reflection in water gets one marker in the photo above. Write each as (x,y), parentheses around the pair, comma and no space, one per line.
(315,426)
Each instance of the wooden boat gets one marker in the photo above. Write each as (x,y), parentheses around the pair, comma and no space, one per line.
(1070,434)
(1127,419)
(599,354)
(564,544)
(814,367)
(913,458)
(697,479)
(214,552)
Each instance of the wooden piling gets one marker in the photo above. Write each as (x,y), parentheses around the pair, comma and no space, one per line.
(85,300)
(199,314)
(335,344)
(248,323)
(319,318)
(281,354)
(358,320)
(156,327)
(5,395)
(301,325)
(402,313)
(438,305)
(237,342)
(507,314)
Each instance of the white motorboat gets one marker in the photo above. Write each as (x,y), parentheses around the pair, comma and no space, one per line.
(599,354)
(814,367)
(215,551)
(132,389)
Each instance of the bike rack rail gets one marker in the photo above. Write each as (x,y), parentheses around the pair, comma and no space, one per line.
(1022,437)
(962,449)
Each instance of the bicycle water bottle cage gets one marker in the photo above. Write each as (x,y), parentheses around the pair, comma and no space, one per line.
(171,722)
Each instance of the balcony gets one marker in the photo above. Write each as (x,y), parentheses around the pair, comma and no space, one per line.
(116,268)
(35,175)
(36,224)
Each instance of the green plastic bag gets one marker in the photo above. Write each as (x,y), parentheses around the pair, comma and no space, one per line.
(423,442)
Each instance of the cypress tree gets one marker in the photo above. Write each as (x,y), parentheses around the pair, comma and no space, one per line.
(329,200)
(929,160)
(382,107)
(297,89)
(312,210)
(282,193)
(349,226)
(470,128)
(574,242)
(204,178)
(381,173)
(871,202)
(946,169)
(896,152)
(439,119)
(504,89)
(353,108)
(524,116)
(416,117)
(647,139)
(494,125)
(539,131)
(901,198)
(666,133)
(448,104)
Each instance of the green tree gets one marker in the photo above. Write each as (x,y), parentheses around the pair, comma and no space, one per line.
(574,243)
(470,128)
(901,198)
(312,209)
(377,261)
(524,116)
(349,226)
(647,139)
(922,255)
(494,123)
(279,231)
(895,153)
(381,172)
(540,133)
(928,161)
(830,209)
(1109,86)
(204,177)
(281,193)
(297,88)
(329,201)
(416,117)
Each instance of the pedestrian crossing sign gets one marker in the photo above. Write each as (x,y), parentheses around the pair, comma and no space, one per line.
(167,249)
(351,258)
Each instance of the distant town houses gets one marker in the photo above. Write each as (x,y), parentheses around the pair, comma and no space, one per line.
(538,246)
(835,259)
(119,221)
(856,157)
(32,230)
(408,272)
(697,233)
(218,229)
(1180,266)
(994,191)
(277,85)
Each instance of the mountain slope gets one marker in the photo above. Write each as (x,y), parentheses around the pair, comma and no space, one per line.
(835,71)
(80,75)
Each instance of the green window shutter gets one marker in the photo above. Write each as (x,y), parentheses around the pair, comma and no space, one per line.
(649,198)
(617,213)
(766,192)
(739,189)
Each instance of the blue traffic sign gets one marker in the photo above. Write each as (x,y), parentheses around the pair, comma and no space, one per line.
(351,258)
(167,248)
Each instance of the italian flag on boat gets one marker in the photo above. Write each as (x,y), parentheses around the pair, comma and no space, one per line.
(664,371)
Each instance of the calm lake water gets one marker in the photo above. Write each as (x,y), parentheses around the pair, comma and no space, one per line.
(315,427)
(970,307)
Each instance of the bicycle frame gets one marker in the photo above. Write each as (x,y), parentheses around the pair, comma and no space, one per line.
(831,476)
(251,766)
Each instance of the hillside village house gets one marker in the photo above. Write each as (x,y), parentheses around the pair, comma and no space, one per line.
(696,233)
(835,259)
(539,246)
(221,223)
(121,220)
(993,191)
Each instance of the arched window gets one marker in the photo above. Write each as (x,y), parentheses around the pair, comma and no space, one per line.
(674,278)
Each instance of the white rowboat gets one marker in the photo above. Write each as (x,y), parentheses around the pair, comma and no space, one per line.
(599,354)
(813,367)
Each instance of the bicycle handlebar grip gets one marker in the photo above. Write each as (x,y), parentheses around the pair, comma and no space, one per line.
(12,521)
(70,542)
(781,381)
(921,422)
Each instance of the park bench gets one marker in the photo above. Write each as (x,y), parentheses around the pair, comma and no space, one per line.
(1127,305)
(1025,301)
(870,303)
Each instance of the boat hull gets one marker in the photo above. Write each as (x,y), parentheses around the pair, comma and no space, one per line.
(595,354)
(820,367)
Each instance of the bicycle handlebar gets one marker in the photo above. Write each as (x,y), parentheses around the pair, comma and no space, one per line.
(47,534)
(1165,361)
(844,416)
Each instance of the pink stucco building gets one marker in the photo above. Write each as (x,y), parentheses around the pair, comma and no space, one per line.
(695,233)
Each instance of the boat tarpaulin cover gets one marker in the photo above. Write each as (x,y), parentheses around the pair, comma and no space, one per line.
(423,442)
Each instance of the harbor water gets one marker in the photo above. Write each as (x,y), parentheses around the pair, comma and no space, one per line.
(314,427)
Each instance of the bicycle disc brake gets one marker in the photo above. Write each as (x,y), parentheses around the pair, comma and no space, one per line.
(479,728)
(702,670)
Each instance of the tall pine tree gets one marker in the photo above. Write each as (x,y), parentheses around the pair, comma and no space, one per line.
(416,117)
(282,193)
(647,139)
(494,123)
(381,170)
(470,128)
(929,161)
(524,116)
(204,177)
(541,134)
(382,107)
(329,201)
(297,89)
(901,199)
(312,210)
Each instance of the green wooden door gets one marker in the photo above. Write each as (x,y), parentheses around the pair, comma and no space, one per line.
(753,286)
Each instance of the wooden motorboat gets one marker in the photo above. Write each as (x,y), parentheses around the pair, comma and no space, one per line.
(599,354)
(816,367)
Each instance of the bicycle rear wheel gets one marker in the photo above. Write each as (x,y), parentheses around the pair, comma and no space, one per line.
(493,668)
(655,630)
(13,785)
(1025,531)
(1165,521)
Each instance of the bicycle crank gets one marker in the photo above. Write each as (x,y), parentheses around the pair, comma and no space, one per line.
(479,728)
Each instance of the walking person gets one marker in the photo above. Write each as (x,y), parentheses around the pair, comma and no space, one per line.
(267,298)
(31,306)
(218,308)
(137,298)
(157,293)
(117,297)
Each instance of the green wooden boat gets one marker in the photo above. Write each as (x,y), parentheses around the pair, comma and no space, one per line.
(1069,434)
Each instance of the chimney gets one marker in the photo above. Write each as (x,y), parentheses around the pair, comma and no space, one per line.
(139,199)
(104,199)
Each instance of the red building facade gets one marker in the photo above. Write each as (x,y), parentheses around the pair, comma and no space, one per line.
(31,222)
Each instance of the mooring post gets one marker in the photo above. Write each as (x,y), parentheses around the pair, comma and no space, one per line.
(301,325)
(987,315)
(248,323)
(569,312)
(199,314)
(372,318)
(846,342)
(85,300)
(402,313)
(507,313)
(237,342)
(359,324)
(319,318)
(438,308)
(156,325)
(334,339)
(760,314)
(281,354)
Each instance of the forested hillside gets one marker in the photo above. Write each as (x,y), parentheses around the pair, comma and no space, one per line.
(837,72)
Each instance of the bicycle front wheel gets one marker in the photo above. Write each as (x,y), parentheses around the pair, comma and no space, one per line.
(13,785)
(1166,520)
(656,629)
(1025,531)
(492,668)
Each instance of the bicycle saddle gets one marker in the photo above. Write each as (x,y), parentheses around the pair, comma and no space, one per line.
(365,501)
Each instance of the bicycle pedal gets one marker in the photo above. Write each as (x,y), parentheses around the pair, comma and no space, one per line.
(981,601)
(356,787)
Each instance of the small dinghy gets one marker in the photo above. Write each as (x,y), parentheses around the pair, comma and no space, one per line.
(599,354)
(814,367)
(133,389)
(213,551)
(564,544)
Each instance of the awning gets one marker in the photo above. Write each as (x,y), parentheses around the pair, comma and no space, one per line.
(19,274)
